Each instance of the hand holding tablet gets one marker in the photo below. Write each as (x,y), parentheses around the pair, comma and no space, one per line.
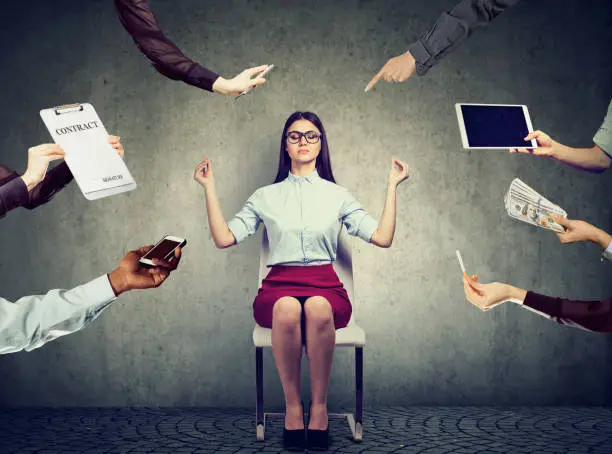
(545,145)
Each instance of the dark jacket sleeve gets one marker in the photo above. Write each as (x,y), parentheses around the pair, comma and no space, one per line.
(55,180)
(452,27)
(590,315)
(166,57)
(13,194)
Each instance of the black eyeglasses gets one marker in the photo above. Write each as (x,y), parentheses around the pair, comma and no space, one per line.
(296,136)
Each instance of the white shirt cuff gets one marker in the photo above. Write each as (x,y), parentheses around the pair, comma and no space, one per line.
(607,253)
(100,292)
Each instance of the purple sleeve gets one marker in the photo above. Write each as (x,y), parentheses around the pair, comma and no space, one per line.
(55,180)
(592,315)
(13,194)
(166,57)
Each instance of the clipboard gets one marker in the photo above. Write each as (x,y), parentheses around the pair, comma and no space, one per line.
(97,167)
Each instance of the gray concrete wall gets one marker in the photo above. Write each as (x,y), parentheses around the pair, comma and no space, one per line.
(189,342)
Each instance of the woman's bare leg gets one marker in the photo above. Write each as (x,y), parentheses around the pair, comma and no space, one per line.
(287,351)
(320,341)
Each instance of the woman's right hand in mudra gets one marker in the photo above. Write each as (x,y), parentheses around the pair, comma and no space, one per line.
(204,173)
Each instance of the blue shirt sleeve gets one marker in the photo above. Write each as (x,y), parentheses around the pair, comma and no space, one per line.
(357,220)
(247,220)
(32,321)
(603,136)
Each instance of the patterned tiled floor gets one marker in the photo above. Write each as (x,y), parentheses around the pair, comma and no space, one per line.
(429,430)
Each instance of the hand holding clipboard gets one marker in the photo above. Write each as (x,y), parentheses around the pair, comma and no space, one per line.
(96,167)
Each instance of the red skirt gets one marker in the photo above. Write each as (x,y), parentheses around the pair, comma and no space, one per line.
(302,282)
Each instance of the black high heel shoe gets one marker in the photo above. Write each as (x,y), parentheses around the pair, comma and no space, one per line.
(317,440)
(295,440)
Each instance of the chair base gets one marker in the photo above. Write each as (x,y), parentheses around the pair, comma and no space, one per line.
(354,420)
(355,426)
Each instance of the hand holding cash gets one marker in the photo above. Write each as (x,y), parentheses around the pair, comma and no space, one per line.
(576,231)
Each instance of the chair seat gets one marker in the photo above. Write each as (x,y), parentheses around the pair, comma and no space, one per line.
(350,336)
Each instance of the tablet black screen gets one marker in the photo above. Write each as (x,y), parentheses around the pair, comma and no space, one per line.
(495,126)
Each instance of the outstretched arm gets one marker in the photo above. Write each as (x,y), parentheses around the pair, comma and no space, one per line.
(596,159)
(592,159)
(38,185)
(169,60)
(588,315)
(576,231)
(166,57)
(32,321)
(589,159)
(452,28)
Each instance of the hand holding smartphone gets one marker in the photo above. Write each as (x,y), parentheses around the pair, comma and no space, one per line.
(163,250)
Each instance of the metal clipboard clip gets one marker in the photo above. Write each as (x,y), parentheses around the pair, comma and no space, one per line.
(67,108)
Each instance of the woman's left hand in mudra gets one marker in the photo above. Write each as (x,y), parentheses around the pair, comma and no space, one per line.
(398,172)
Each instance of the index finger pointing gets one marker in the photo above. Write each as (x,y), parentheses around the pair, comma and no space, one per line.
(374,80)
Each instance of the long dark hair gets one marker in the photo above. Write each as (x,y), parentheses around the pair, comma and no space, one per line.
(323,164)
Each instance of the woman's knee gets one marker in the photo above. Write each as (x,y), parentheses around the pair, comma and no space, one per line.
(318,311)
(287,311)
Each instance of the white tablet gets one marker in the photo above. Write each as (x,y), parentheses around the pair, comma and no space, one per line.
(494,126)
(96,166)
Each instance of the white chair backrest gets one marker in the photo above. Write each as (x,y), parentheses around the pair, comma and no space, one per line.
(343,265)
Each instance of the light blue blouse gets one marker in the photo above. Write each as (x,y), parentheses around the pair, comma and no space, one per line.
(303,217)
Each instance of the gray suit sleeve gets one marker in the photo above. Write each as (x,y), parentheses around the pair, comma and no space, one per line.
(452,27)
